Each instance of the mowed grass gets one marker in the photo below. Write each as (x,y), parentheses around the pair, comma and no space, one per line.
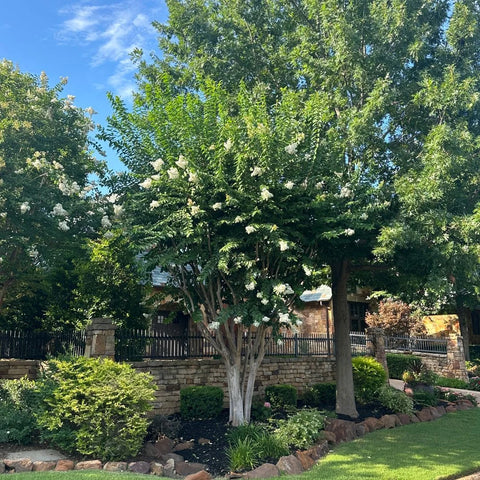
(444,449)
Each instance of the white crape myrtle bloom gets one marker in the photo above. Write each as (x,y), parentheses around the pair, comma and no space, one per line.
(173,173)
(3,215)
(157,164)
(280,342)
(364,216)
(113,197)
(256,323)
(299,323)
(283,244)
(345,192)
(238,219)
(250,229)
(214,326)
(194,210)
(282,288)
(90,111)
(349,232)
(319,185)
(265,194)
(292,148)
(63,225)
(283,318)
(106,223)
(192,177)
(37,164)
(260,295)
(307,270)
(256,171)
(289,185)
(154,204)
(265,319)
(147,183)
(237,320)
(24,207)
(250,286)
(59,211)
(118,210)
(264,301)
(217,206)
(228,144)
(181,162)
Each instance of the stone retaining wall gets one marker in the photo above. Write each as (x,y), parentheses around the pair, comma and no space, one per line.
(11,369)
(173,375)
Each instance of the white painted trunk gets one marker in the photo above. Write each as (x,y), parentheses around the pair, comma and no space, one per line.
(237,413)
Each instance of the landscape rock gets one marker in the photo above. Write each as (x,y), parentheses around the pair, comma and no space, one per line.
(151,450)
(19,465)
(435,413)
(360,429)
(64,465)
(464,404)
(169,468)
(89,465)
(305,459)
(414,418)
(372,424)
(164,445)
(404,418)
(204,441)
(40,466)
(156,469)
(389,421)
(344,430)
(425,415)
(187,468)
(329,436)
(267,470)
(290,465)
(139,467)
(115,466)
(451,408)
(184,446)
(202,475)
(2,467)
(441,410)
(172,456)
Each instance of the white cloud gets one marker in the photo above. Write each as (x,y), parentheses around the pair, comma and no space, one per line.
(111,32)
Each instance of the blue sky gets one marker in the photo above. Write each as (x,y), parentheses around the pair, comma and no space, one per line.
(87,41)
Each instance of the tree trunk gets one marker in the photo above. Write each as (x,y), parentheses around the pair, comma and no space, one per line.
(345,404)
(463,314)
(236,400)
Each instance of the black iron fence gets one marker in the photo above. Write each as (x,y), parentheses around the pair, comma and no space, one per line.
(40,345)
(416,344)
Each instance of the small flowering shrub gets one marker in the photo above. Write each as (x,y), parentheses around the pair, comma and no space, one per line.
(301,430)
(94,407)
(474,384)
(261,411)
(202,401)
(395,400)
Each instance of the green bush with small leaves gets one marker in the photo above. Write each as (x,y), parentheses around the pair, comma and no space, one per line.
(94,407)
(451,382)
(18,403)
(396,400)
(321,395)
(201,402)
(368,377)
(281,397)
(302,429)
(397,363)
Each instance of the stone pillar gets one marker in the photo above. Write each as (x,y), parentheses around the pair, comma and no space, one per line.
(100,341)
(375,343)
(456,358)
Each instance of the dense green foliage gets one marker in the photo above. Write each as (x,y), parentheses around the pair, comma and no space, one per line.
(202,401)
(397,363)
(94,407)
(394,399)
(368,377)
(281,396)
(321,395)
(302,429)
(18,404)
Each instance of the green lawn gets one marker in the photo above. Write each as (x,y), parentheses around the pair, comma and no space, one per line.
(443,449)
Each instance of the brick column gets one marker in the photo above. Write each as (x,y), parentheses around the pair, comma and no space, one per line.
(100,341)
(375,342)
(456,358)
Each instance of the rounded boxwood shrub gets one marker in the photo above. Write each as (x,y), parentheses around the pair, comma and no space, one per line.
(368,377)
(201,402)
(321,395)
(398,363)
(281,396)
(94,407)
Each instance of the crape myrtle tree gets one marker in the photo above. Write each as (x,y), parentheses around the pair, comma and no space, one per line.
(46,203)
(360,66)
(216,198)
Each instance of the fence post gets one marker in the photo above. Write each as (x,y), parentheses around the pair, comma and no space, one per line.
(100,338)
(456,357)
(375,343)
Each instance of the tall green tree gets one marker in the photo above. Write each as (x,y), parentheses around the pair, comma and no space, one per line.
(46,203)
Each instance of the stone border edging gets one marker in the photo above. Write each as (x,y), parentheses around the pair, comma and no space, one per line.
(336,431)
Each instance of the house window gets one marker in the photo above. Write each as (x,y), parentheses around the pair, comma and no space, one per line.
(476,322)
(357,311)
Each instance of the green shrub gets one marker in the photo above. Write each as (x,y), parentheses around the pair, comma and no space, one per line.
(450,382)
(18,403)
(368,377)
(395,400)
(281,396)
(247,430)
(242,455)
(94,407)
(397,363)
(321,395)
(201,402)
(261,411)
(301,430)
(425,399)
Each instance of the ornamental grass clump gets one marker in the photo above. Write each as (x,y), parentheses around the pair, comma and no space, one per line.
(94,407)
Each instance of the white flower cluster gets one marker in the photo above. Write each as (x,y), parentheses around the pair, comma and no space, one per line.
(25,207)
(181,162)
(214,326)
(349,232)
(265,194)
(157,164)
(63,225)
(250,229)
(67,187)
(256,172)
(283,289)
(59,211)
